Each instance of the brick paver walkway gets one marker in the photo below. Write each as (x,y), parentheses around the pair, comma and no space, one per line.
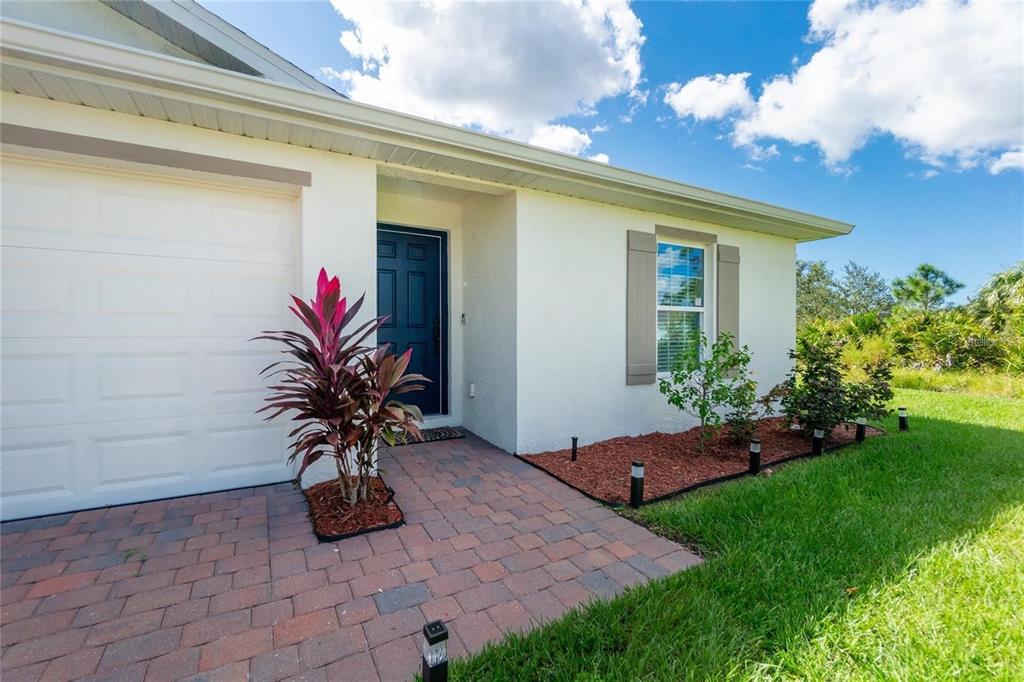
(233,585)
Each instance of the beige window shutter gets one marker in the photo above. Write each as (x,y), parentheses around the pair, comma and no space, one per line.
(641,307)
(729,291)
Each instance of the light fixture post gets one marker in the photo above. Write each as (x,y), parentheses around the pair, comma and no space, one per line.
(435,652)
(755,456)
(904,422)
(636,485)
(861,423)
(818,442)
(575,442)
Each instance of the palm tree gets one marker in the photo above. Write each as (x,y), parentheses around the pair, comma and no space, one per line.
(1000,298)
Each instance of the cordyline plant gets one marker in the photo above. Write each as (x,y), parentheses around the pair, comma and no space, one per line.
(339,389)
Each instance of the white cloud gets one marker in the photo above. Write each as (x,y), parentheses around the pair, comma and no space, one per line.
(707,97)
(506,68)
(945,79)
(600,158)
(561,138)
(600,128)
(1006,161)
(759,153)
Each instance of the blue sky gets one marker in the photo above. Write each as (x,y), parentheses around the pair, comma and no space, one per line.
(919,186)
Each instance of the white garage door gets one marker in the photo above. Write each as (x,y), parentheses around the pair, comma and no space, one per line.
(128,300)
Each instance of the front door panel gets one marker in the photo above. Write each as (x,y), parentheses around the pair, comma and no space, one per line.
(411,287)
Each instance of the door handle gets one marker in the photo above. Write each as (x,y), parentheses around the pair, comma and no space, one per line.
(437,336)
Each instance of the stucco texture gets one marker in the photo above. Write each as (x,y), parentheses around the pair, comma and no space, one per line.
(571,320)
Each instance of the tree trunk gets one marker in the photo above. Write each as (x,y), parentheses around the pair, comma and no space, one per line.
(344,479)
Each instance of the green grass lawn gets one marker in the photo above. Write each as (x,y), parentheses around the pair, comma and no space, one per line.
(902,558)
(987,383)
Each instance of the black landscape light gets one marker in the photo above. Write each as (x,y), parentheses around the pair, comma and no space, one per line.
(904,423)
(575,442)
(755,456)
(435,652)
(818,442)
(636,485)
(861,422)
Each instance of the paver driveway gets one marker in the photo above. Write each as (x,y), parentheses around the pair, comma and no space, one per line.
(233,585)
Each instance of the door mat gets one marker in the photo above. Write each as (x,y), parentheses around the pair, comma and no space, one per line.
(436,434)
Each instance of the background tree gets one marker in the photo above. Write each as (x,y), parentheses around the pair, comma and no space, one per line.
(927,288)
(817,293)
(862,291)
(1001,299)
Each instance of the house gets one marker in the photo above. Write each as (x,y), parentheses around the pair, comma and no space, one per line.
(167,181)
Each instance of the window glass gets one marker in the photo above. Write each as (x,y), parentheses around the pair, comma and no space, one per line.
(680,297)
(680,275)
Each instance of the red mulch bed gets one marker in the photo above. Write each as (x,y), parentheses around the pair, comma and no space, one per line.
(672,461)
(334,518)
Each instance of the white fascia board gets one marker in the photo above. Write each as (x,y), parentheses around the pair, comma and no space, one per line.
(292,104)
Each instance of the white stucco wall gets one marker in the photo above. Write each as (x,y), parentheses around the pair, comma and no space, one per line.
(571,319)
(540,277)
(91,18)
(491,329)
(481,233)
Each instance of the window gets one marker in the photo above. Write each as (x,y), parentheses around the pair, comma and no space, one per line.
(680,297)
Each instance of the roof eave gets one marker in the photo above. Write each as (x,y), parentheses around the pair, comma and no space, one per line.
(76,56)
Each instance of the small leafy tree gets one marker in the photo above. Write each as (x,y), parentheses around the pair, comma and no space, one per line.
(340,390)
(926,288)
(701,387)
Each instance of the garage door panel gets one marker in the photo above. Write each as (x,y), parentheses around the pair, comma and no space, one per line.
(128,307)
(66,381)
(129,221)
(36,210)
(245,448)
(30,291)
(57,207)
(57,293)
(78,466)
(35,379)
(144,459)
(21,481)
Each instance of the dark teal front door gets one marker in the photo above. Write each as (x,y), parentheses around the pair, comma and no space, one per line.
(412,290)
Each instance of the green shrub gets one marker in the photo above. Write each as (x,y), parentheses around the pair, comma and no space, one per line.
(870,397)
(819,393)
(945,339)
(863,325)
(702,387)
(865,351)
(741,420)
(815,397)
